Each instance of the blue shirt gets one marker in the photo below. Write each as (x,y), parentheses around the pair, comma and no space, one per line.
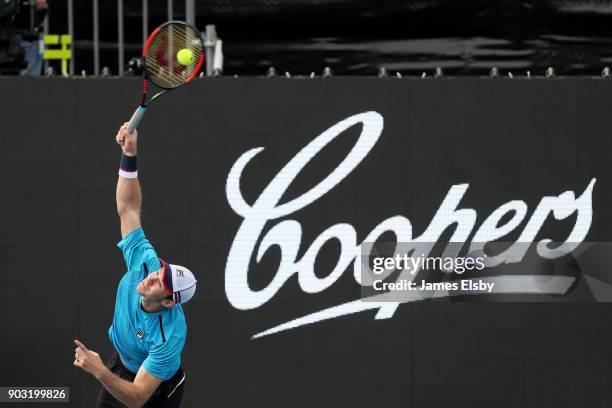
(152,340)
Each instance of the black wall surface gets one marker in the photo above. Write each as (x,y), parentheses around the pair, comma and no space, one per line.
(509,139)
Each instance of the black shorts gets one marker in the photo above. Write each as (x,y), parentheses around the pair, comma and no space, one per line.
(169,394)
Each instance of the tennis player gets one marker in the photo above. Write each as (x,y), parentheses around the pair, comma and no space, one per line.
(148,330)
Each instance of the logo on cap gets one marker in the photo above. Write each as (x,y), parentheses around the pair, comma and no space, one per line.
(179,272)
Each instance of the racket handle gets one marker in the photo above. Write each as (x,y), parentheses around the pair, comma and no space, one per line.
(134,121)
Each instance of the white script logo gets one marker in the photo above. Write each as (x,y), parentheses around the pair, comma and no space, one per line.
(287,234)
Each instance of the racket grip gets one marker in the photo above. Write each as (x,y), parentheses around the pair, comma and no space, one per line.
(134,121)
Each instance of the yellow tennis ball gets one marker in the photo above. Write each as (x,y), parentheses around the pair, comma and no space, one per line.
(185,56)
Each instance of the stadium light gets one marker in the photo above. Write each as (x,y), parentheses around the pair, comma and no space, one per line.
(218,59)
(271,72)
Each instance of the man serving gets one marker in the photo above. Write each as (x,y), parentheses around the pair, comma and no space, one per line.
(148,330)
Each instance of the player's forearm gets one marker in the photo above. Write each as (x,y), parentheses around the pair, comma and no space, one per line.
(129,195)
(126,392)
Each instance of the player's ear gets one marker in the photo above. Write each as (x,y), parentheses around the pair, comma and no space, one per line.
(167,303)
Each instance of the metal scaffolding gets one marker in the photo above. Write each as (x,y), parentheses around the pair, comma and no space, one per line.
(190,17)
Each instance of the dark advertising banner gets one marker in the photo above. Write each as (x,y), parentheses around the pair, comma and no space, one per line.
(357,242)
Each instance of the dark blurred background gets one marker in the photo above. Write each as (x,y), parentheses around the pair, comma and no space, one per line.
(357,37)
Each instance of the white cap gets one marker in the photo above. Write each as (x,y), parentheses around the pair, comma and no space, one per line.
(180,282)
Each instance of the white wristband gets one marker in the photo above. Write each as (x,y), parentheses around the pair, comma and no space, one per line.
(128,174)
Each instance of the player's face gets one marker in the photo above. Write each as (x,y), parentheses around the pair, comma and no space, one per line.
(152,286)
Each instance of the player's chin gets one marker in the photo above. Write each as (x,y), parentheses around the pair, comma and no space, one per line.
(141,289)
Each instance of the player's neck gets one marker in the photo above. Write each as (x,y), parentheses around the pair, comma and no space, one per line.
(149,307)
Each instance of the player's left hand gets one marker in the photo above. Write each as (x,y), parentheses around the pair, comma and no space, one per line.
(88,360)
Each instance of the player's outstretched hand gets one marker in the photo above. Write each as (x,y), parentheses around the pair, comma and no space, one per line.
(130,140)
(88,360)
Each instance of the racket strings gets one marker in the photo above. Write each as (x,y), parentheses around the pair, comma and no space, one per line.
(162,64)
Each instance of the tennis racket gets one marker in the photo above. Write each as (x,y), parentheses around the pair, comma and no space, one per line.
(173,56)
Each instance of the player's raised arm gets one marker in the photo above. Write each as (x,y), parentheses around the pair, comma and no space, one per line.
(129,196)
